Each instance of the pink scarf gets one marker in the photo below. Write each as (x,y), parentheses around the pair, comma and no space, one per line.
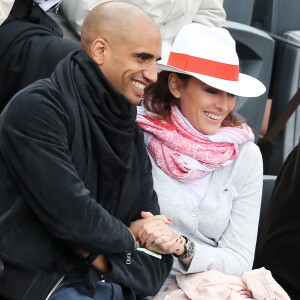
(185,154)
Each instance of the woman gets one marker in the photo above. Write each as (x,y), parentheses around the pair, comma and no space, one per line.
(207,170)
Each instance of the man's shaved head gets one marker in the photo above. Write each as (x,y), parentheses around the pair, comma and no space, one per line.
(113,21)
(125,43)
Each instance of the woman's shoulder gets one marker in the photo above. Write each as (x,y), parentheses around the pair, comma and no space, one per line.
(249,148)
(249,159)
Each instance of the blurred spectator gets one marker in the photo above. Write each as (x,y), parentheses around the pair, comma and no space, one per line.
(31,44)
(5,7)
(169,15)
(280,239)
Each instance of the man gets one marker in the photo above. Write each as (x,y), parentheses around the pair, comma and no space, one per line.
(280,239)
(74,173)
(31,45)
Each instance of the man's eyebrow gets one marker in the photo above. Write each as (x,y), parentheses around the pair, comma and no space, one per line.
(146,55)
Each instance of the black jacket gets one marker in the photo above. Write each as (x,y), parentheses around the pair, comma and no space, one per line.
(31,45)
(280,239)
(73,171)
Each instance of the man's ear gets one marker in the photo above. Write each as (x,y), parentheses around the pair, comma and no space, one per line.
(98,49)
(174,83)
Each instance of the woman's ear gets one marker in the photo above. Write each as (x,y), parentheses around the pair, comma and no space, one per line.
(174,83)
(98,49)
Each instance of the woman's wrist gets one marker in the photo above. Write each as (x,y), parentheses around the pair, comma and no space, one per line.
(181,249)
(189,249)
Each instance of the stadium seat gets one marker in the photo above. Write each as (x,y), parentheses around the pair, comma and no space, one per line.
(255,49)
(268,185)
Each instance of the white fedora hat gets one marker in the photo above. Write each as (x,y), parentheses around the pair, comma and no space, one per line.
(209,54)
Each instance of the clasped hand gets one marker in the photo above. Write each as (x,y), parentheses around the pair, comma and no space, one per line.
(153,233)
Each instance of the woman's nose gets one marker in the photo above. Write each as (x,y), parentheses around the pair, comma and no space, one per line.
(223,101)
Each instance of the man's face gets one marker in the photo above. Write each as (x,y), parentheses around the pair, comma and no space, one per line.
(131,66)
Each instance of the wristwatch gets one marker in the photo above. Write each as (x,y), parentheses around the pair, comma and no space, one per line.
(189,249)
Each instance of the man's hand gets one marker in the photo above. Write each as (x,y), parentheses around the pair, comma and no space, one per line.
(99,263)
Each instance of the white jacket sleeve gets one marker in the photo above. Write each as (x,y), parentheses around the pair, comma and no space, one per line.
(76,10)
(5,8)
(210,13)
(169,15)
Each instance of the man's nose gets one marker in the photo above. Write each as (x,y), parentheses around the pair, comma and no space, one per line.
(151,73)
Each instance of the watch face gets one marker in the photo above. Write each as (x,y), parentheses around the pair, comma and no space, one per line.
(190,248)
(188,244)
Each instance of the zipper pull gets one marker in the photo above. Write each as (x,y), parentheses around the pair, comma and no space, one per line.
(57,7)
(128,258)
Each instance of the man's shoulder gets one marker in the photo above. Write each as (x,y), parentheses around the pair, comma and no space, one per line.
(38,93)
(39,100)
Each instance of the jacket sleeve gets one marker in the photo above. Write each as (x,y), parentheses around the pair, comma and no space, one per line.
(143,273)
(210,13)
(34,144)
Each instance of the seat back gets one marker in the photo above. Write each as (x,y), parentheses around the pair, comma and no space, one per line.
(255,49)
(276,16)
(268,185)
(239,11)
(286,82)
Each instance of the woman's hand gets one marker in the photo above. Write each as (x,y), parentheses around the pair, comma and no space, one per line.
(169,247)
(137,228)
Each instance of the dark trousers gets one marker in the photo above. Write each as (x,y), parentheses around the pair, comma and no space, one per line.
(104,291)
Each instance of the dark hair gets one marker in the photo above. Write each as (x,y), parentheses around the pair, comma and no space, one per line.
(158,99)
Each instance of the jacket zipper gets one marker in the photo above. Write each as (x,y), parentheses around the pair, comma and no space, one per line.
(128,258)
(55,286)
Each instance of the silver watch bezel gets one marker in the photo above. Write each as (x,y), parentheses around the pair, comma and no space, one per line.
(189,247)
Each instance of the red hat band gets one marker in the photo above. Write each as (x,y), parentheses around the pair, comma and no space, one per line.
(203,66)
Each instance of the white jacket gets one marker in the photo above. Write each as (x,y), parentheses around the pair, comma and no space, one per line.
(5,8)
(224,225)
(169,15)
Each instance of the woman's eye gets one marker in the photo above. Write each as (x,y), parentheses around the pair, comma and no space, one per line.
(231,95)
(212,91)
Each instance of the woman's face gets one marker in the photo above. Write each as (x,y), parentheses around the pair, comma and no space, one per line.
(204,106)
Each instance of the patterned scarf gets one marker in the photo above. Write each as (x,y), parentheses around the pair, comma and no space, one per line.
(185,154)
